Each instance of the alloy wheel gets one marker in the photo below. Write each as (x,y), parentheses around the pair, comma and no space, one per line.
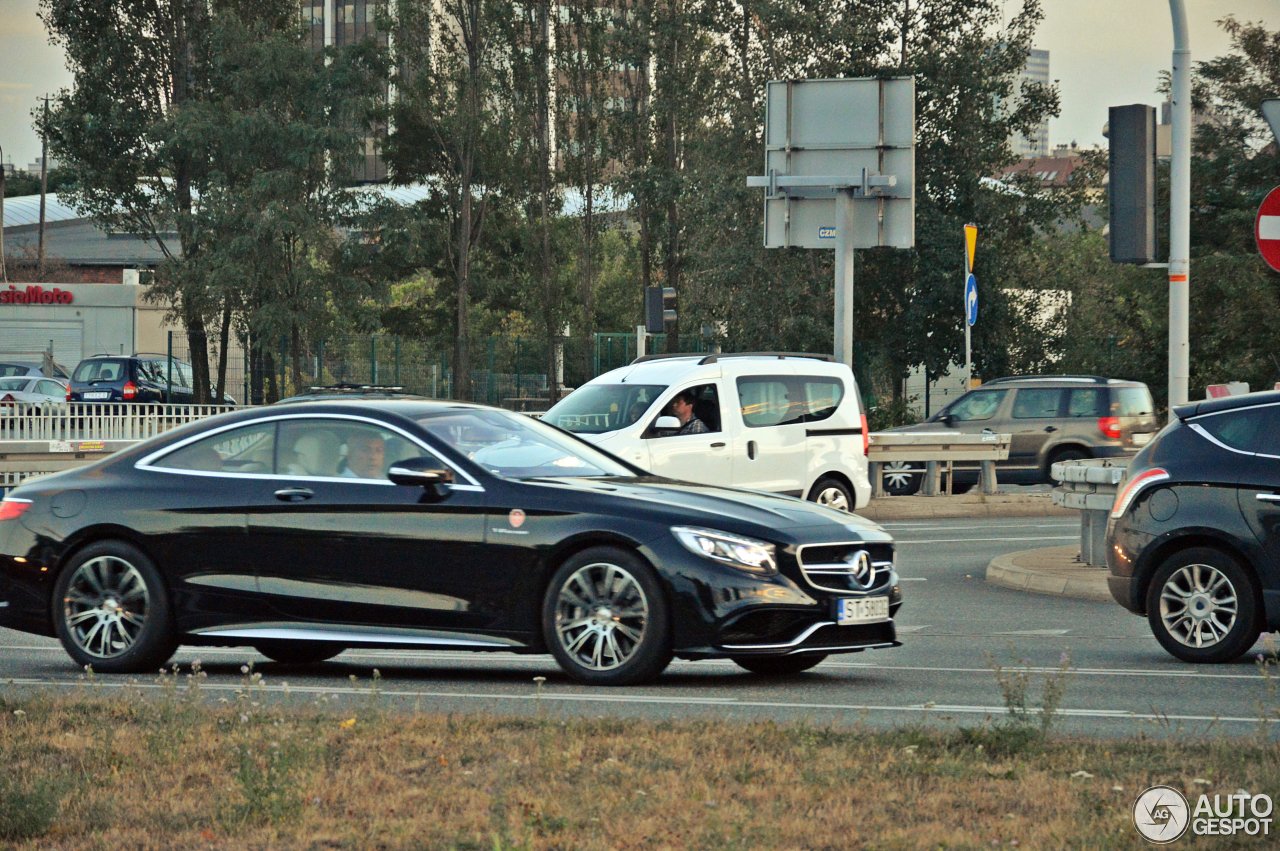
(833,497)
(601,615)
(105,606)
(1198,605)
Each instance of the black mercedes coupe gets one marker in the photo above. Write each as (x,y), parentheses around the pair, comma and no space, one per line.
(307,529)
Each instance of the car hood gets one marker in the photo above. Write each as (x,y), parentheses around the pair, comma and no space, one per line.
(728,509)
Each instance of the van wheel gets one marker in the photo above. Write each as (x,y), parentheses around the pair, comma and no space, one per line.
(833,493)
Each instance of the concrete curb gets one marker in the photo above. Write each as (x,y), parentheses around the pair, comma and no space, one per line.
(1050,570)
(964,505)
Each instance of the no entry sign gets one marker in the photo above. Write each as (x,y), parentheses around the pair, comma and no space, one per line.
(1266,230)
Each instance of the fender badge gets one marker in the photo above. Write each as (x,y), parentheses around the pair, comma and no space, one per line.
(515,518)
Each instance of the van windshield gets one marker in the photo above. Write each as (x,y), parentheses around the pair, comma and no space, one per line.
(597,408)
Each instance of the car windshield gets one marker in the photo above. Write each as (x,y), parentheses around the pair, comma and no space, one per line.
(518,447)
(598,408)
(7,384)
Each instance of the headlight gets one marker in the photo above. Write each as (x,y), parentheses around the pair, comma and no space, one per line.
(746,553)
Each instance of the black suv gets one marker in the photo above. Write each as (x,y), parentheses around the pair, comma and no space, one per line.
(131,378)
(1193,540)
(1049,418)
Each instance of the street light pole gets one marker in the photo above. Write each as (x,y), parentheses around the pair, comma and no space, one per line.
(1180,213)
(4,275)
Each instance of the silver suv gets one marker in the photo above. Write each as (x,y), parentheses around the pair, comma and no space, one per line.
(1050,417)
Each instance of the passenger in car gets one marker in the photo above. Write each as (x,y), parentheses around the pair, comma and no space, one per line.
(366,456)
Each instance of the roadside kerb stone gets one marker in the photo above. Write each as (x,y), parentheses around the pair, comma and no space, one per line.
(1050,570)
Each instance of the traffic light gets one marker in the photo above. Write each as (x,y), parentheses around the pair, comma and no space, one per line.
(1132,183)
(659,308)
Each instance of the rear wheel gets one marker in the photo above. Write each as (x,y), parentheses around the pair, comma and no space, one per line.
(779,666)
(112,612)
(1067,453)
(1201,606)
(833,493)
(605,618)
(298,652)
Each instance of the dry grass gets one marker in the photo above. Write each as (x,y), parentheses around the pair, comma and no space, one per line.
(174,771)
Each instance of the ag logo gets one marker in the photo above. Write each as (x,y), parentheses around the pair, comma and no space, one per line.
(516,518)
(1161,814)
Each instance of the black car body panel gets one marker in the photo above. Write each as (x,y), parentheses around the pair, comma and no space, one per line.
(1209,480)
(256,549)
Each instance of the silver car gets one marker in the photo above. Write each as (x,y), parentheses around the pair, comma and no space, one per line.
(1049,417)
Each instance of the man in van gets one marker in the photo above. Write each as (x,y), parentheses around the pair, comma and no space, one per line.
(682,407)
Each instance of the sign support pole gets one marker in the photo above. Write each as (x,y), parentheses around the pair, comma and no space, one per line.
(844,277)
(1180,213)
(964,317)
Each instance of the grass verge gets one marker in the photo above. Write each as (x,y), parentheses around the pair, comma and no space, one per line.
(175,771)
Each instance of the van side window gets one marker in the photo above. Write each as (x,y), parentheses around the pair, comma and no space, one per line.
(821,397)
(706,407)
(785,400)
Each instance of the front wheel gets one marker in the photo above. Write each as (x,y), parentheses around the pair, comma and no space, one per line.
(112,612)
(779,666)
(833,493)
(605,618)
(1201,606)
(298,652)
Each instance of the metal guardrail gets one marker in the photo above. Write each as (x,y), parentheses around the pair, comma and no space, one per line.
(937,452)
(42,438)
(1090,486)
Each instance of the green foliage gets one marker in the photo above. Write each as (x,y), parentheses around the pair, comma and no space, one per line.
(24,183)
(30,807)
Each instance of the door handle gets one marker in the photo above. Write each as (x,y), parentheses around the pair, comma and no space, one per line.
(1269,497)
(294,494)
(751,449)
(718,445)
(1050,428)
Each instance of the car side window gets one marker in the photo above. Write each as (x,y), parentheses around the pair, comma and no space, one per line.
(978,405)
(339,449)
(767,401)
(50,388)
(1249,430)
(249,449)
(1036,403)
(1085,402)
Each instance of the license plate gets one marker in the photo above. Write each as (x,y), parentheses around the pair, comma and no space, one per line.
(861,610)
(1141,438)
(98,394)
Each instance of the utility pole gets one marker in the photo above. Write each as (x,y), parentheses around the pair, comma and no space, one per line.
(1180,213)
(4,276)
(44,185)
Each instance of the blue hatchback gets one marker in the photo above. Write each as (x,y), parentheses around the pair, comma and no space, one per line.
(131,378)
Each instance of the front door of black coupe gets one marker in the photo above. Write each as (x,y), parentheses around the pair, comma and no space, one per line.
(335,542)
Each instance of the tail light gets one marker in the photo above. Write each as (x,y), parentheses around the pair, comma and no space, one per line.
(130,391)
(68,393)
(866,436)
(7,399)
(12,508)
(1110,427)
(1135,486)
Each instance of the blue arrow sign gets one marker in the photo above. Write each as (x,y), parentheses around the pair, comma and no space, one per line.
(971,299)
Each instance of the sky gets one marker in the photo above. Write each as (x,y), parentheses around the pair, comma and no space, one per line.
(1101,53)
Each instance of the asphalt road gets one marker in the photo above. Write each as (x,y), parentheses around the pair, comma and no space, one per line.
(955,630)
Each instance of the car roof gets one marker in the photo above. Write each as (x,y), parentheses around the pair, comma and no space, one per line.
(1227,403)
(1064,380)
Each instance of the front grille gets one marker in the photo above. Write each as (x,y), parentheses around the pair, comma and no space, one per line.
(855,566)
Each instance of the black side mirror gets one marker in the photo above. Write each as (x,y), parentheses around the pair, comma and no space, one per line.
(947,419)
(421,472)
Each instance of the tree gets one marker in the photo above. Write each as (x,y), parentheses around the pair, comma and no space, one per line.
(450,129)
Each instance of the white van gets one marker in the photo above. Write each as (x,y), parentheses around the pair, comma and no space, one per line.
(780,422)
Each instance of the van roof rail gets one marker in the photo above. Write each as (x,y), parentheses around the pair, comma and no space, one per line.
(706,358)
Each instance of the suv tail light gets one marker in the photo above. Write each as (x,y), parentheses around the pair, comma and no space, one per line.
(7,399)
(1110,427)
(12,508)
(68,392)
(866,436)
(1135,486)
(130,391)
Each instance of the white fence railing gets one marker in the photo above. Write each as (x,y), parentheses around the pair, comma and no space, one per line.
(97,420)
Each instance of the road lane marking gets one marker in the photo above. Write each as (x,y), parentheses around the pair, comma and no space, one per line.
(685,700)
(1034,632)
(900,542)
